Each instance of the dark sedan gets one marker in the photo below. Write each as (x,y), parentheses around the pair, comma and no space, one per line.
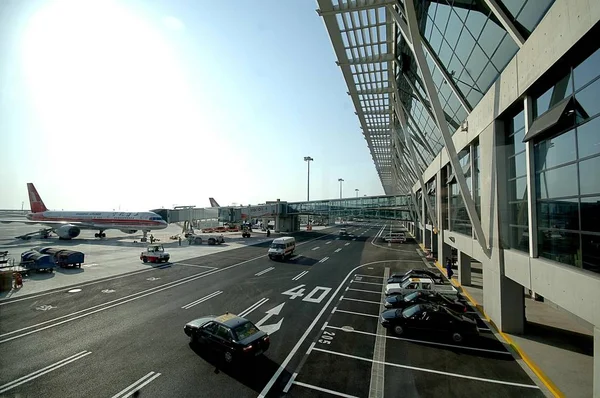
(432,318)
(231,336)
(424,297)
(416,273)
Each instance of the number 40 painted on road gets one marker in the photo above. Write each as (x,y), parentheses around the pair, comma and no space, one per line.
(299,292)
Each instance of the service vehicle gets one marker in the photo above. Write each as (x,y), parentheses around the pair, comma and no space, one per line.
(211,240)
(282,248)
(155,254)
(412,284)
(233,337)
(424,297)
(416,273)
(395,238)
(430,318)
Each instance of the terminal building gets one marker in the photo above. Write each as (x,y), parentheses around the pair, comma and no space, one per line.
(486,114)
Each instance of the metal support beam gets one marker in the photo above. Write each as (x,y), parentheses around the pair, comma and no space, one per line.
(356,5)
(443,126)
(373,59)
(382,90)
(407,137)
(506,22)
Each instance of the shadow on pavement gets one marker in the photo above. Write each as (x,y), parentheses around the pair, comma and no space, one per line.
(565,339)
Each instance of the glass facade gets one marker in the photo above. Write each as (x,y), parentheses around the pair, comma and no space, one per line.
(431,191)
(459,218)
(477,175)
(379,207)
(517,219)
(566,172)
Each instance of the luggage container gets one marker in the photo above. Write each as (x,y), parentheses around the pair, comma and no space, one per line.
(33,260)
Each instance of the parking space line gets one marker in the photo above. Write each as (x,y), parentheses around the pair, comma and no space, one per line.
(324,259)
(346,244)
(136,386)
(357,313)
(339,394)
(368,283)
(422,341)
(362,290)
(289,383)
(510,383)
(339,249)
(362,301)
(377,385)
(327,242)
(370,276)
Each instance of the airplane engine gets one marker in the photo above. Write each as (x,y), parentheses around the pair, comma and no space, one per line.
(129,231)
(67,231)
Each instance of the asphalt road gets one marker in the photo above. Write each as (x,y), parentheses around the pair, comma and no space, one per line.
(113,337)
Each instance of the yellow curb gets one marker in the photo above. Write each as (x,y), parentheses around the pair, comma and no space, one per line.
(541,375)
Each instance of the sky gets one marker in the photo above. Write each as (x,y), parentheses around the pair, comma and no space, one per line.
(136,105)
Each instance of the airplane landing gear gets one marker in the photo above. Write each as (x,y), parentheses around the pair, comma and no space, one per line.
(100,235)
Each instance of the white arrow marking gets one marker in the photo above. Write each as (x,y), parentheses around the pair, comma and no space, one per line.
(270,329)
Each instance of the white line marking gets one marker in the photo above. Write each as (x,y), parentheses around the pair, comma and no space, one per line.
(430,370)
(340,394)
(43,371)
(371,276)
(368,283)
(137,385)
(194,265)
(300,275)
(324,326)
(366,291)
(310,348)
(289,383)
(281,368)
(346,244)
(362,301)
(201,300)
(338,250)
(425,341)
(357,313)
(315,248)
(353,238)
(253,307)
(333,310)
(324,259)
(327,242)
(264,271)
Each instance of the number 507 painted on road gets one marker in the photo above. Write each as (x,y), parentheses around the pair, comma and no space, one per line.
(298,292)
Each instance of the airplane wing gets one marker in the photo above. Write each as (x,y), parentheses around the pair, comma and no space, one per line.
(53,224)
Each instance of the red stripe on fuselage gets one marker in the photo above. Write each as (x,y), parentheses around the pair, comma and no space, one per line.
(41,217)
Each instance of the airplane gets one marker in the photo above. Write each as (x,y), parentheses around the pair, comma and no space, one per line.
(68,224)
(213,202)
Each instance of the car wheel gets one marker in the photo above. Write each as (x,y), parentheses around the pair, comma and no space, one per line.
(144,259)
(193,338)
(228,357)
(457,337)
(398,330)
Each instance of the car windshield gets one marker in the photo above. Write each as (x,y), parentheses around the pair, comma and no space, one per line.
(277,246)
(410,297)
(410,311)
(245,330)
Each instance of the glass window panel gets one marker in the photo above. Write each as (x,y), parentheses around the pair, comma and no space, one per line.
(518,214)
(589,98)
(555,151)
(557,183)
(461,114)
(588,138)
(441,16)
(476,63)
(505,52)
(558,246)
(488,76)
(518,122)
(589,176)
(453,29)
(490,37)
(542,103)
(445,53)
(519,238)
(559,91)
(473,97)
(533,12)
(559,214)
(590,214)
(513,6)
(587,71)
(517,166)
(465,45)
(591,252)
(518,140)
(435,41)
(475,22)
(518,189)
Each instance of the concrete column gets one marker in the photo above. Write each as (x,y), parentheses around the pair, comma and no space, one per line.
(596,371)
(464,269)
(446,252)
(512,306)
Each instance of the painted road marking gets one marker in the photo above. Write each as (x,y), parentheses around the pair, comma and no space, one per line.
(369,283)
(346,244)
(43,371)
(430,370)
(426,342)
(339,394)
(371,276)
(353,238)
(201,300)
(338,250)
(315,248)
(309,296)
(362,301)
(361,290)
(324,259)
(328,242)
(264,271)
(300,275)
(129,390)
(253,307)
(357,313)
(194,265)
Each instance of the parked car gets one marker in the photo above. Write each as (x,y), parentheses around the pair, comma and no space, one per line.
(416,273)
(402,301)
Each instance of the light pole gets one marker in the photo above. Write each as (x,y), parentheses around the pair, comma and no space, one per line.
(308,159)
(356,190)
(341,180)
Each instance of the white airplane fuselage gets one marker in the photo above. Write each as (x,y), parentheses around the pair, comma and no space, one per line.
(101,220)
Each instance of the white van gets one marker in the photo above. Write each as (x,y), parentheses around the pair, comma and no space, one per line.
(282,247)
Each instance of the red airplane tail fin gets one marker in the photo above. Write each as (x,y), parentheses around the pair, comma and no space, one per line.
(35,201)
(213,202)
